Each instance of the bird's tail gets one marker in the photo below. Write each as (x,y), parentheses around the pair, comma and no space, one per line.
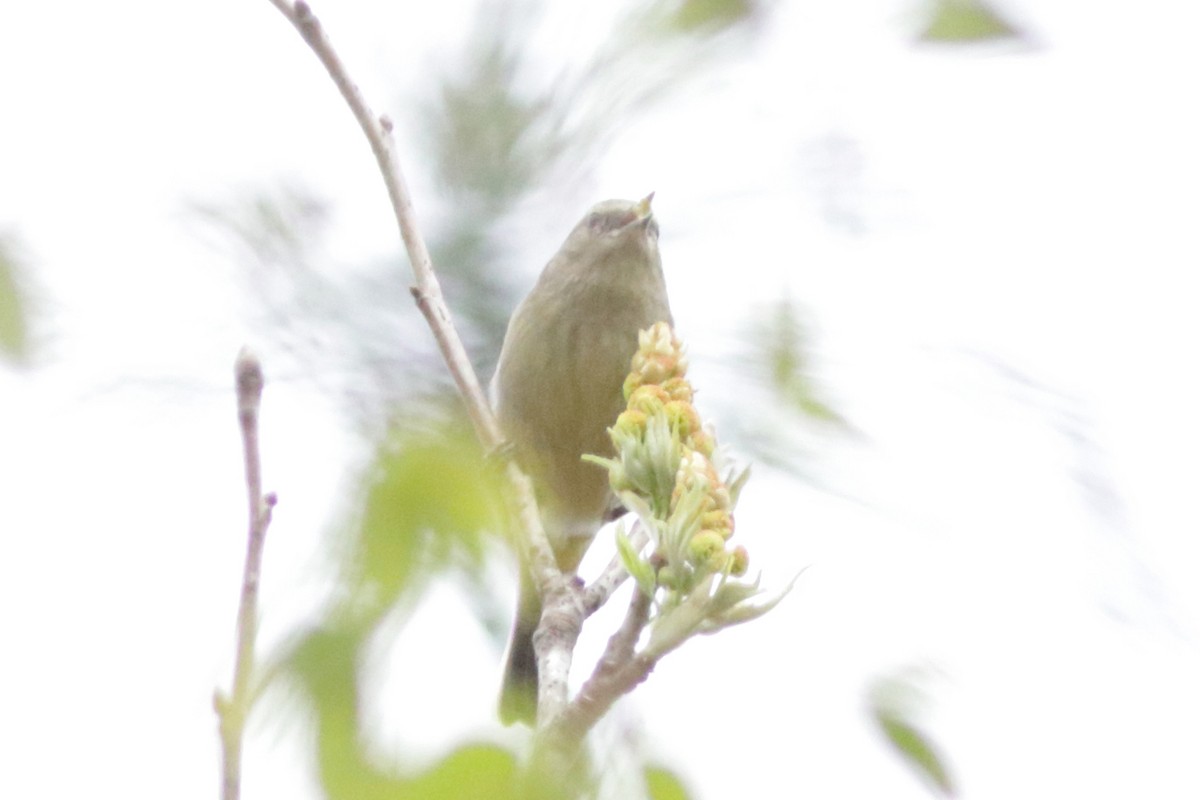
(518,692)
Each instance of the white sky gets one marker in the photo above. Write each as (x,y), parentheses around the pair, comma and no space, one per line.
(1034,207)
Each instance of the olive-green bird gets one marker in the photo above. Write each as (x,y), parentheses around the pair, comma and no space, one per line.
(557,389)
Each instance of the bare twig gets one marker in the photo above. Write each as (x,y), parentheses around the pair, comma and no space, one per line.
(554,645)
(598,592)
(617,672)
(427,292)
(622,643)
(562,620)
(233,709)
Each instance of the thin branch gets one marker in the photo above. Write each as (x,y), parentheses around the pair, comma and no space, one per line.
(564,610)
(427,292)
(554,645)
(573,724)
(617,672)
(622,643)
(233,709)
(562,620)
(602,588)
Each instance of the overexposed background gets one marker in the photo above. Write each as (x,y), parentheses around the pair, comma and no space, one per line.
(995,250)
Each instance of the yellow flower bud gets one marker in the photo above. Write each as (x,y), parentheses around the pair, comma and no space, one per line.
(740,561)
(678,388)
(695,467)
(682,416)
(658,338)
(721,496)
(707,548)
(649,399)
(632,422)
(632,381)
(655,368)
(718,520)
(702,442)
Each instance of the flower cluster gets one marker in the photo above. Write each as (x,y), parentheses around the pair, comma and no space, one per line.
(666,469)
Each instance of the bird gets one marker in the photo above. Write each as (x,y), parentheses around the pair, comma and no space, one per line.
(558,387)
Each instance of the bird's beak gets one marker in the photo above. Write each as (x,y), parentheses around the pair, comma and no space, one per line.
(643,210)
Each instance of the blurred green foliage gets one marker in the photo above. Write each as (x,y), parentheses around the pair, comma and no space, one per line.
(344,330)
(15,340)
(429,506)
(774,365)
(895,703)
(325,665)
(965,21)
(783,355)
(663,784)
(694,15)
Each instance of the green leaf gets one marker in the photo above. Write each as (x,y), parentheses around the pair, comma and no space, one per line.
(781,348)
(966,21)
(917,749)
(729,593)
(695,15)
(895,701)
(640,570)
(429,502)
(14,307)
(727,614)
(475,770)
(662,784)
(674,625)
(736,481)
(325,664)
(644,514)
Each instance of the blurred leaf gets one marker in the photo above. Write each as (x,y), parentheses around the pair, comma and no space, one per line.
(326,664)
(14,306)
(780,345)
(662,784)
(966,21)
(917,750)
(429,503)
(784,341)
(895,701)
(278,228)
(694,15)
(472,771)
(656,48)
(354,333)
(478,282)
(489,139)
